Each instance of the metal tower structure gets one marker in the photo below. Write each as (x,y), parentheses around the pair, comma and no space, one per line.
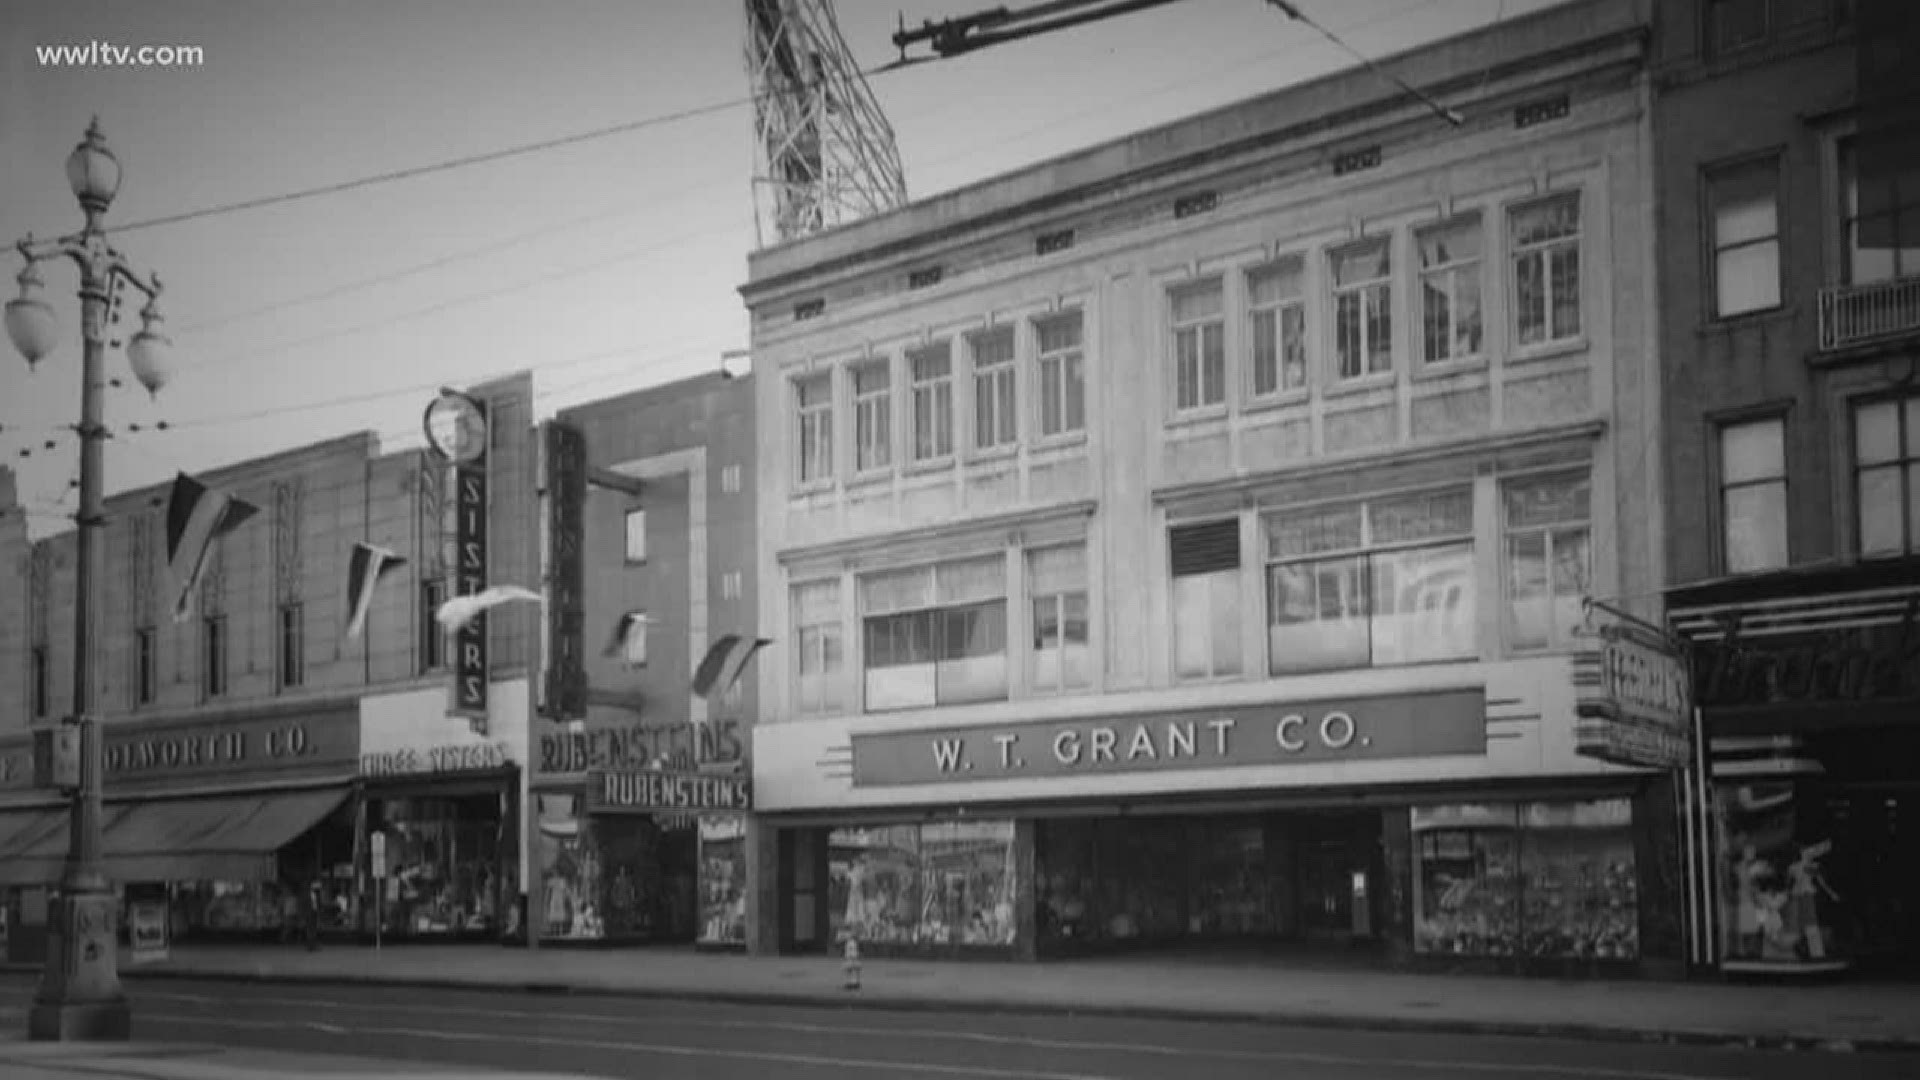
(824,152)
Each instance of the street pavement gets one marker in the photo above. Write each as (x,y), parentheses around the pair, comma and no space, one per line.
(451,1031)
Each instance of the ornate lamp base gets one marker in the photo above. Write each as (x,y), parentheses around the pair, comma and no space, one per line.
(80,999)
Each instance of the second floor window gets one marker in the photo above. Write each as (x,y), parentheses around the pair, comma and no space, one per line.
(932,369)
(293,645)
(813,424)
(1753,495)
(41,678)
(995,418)
(1386,581)
(936,635)
(1277,317)
(1450,325)
(1881,221)
(637,535)
(1199,345)
(1549,559)
(433,641)
(1206,599)
(1057,584)
(213,656)
(872,415)
(1363,309)
(1745,204)
(1545,237)
(820,663)
(1886,458)
(1063,376)
(1735,24)
(146,675)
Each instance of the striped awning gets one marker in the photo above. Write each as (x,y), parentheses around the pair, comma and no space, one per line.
(1797,615)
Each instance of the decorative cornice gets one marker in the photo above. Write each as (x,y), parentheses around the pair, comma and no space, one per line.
(1465,449)
(998,529)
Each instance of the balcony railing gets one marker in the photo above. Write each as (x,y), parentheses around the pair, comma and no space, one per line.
(1862,314)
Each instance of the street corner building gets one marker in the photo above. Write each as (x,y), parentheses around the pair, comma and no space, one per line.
(1790,318)
(1187,539)
(641,784)
(257,751)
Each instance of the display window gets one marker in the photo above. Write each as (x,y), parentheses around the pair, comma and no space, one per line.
(1535,880)
(1778,907)
(443,863)
(1117,881)
(723,881)
(933,884)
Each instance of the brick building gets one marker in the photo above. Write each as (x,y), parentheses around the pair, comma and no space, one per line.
(666,533)
(1790,330)
(1186,538)
(252,744)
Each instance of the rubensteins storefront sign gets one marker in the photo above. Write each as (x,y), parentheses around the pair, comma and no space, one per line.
(139,754)
(1632,701)
(659,790)
(1349,729)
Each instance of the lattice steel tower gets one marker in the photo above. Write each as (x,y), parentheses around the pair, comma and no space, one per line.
(824,153)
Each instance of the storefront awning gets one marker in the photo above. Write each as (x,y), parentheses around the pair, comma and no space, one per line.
(220,838)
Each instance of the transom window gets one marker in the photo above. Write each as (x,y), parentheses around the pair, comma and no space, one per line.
(1363,309)
(1886,458)
(1063,376)
(1546,270)
(872,415)
(813,407)
(932,370)
(1199,345)
(1385,581)
(1277,319)
(1450,267)
(935,635)
(995,418)
(1549,559)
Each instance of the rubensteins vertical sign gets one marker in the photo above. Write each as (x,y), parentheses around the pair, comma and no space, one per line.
(459,429)
(566,482)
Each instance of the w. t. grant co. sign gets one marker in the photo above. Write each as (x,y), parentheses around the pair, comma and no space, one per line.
(1349,729)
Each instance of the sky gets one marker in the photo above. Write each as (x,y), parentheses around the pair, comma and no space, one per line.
(604,266)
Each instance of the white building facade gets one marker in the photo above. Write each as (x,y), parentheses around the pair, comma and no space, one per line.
(1187,538)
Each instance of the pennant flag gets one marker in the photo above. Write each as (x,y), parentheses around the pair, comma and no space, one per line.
(365,567)
(462,610)
(197,515)
(626,628)
(724,662)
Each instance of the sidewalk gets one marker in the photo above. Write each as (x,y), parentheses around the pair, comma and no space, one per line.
(22,1060)
(1841,1016)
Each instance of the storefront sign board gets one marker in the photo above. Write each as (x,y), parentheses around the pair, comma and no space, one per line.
(1632,700)
(449,760)
(303,744)
(652,790)
(1305,732)
(1855,663)
(638,746)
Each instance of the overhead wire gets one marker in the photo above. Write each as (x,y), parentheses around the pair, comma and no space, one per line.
(560,275)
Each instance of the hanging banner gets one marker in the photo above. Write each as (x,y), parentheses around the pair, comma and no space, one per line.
(1632,699)
(566,483)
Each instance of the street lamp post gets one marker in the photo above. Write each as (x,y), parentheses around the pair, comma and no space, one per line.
(79,997)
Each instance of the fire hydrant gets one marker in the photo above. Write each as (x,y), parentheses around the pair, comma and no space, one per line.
(851,965)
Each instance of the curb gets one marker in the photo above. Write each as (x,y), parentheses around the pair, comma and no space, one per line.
(922,1004)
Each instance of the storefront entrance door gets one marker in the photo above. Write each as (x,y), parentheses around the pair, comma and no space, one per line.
(1876,874)
(1325,870)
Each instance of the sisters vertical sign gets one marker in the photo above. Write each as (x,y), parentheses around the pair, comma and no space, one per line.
(458,427)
